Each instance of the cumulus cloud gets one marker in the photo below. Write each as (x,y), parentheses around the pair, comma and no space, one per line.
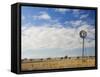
(76,12)
(83,16)
(62,10)
(75,23)
(53,37)
(42,15)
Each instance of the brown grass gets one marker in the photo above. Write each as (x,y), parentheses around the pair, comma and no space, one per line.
(57,64)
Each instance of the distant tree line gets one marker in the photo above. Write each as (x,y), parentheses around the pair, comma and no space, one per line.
(65,57)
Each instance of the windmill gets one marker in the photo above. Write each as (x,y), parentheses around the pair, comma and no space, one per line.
(83,35)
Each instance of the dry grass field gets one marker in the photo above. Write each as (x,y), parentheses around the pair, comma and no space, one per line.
(58,63)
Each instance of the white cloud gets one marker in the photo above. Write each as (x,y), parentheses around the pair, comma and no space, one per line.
(76,12)
(75,23)
(42,15)
(83,16)
(53,23)
(23,17)
(47,37)
(62,10)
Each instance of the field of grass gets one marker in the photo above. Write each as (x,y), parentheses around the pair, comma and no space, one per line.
(57,64)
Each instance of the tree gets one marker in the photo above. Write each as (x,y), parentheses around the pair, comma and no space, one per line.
(78,57)
(31,59)
(48,58)
(41,59)
(69,57)
(66,57)
(61,58)
(25,58)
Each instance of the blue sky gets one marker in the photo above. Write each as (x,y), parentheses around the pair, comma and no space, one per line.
(51,25)
(62,17)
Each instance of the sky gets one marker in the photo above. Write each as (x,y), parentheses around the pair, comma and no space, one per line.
(54,32)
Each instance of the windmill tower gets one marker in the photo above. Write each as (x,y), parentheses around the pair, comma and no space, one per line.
(83,35)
